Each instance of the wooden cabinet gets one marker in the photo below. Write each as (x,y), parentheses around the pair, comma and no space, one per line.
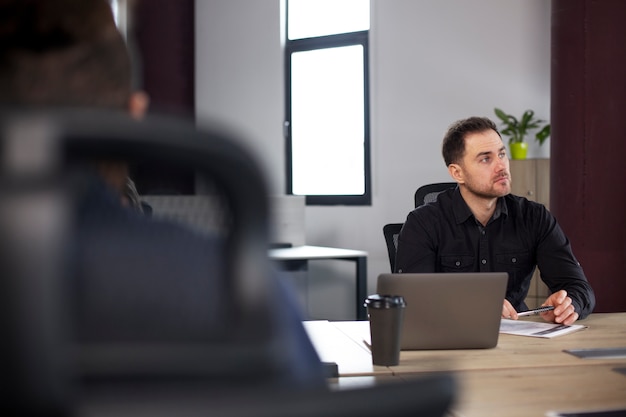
(530,178)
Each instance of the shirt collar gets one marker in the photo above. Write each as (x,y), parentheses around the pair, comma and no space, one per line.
(462,211)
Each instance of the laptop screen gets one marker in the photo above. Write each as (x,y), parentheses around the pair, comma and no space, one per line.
(448,310)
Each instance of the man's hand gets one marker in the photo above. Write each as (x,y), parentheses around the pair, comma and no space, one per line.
(508,312)
(563,312)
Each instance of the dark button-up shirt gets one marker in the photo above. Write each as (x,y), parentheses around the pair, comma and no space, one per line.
(444,236)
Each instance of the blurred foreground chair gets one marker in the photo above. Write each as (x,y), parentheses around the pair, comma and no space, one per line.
(107,312)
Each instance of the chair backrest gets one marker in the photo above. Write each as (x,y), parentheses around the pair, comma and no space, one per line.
(142,298)
(428,193)
(391,231)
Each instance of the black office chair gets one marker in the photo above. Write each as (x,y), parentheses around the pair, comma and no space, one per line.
(55,364)
(428,193)
(151,299)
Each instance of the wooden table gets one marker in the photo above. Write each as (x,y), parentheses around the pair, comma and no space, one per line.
(521,376)
(532,392)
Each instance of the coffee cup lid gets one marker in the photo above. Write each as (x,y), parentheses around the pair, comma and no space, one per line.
(384,301)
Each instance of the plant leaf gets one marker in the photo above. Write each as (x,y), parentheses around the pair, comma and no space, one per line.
(543,134)
(501,115)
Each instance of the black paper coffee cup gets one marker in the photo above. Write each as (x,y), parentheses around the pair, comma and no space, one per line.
(386,314)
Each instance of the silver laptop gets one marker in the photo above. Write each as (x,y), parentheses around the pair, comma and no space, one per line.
(448,310)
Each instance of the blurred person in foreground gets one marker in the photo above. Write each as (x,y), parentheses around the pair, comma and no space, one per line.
(481,226)
(136,279)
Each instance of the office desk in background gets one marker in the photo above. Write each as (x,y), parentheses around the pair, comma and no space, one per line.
(521,376)
(296,258)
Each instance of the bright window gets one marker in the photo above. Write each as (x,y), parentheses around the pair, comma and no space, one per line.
(327,101)
(314,18)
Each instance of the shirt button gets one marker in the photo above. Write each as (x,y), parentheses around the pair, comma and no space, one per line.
(514,260)
(482,232)
(458,263)
(484,261)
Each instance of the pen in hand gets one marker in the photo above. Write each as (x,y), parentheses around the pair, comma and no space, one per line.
(535,311)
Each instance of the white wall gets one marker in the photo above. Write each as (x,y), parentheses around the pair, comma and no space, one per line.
(432,62)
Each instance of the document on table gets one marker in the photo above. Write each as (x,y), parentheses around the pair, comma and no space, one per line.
(537,329)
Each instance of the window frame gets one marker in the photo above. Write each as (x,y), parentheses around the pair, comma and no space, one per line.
(325,42)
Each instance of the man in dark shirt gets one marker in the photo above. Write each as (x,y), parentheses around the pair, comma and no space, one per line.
(480,226)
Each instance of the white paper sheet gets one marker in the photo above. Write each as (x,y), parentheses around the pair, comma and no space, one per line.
(537,329)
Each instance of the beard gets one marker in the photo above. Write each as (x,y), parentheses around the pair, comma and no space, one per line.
(496,188)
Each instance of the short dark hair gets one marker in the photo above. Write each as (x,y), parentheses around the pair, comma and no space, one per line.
(453,147)
(62,53)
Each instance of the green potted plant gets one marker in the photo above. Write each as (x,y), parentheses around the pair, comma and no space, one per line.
(517,130)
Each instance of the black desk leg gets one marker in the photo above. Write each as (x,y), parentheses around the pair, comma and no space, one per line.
(361,287)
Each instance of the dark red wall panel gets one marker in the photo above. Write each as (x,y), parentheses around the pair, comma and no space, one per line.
(588,144)
(164,34)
